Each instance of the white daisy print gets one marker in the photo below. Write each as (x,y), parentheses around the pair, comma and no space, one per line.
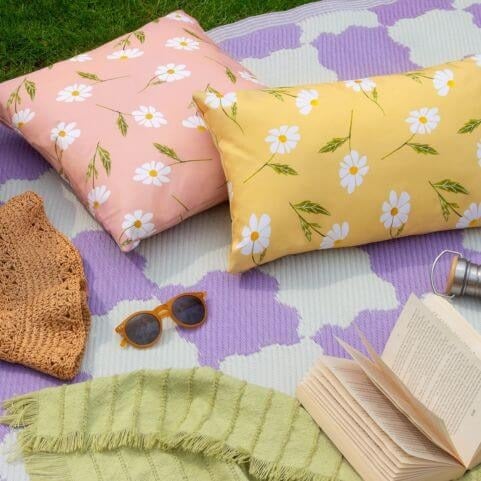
(478,152)
(64,134)
(249,76)
(138,225)
(183,43)
(423,121)
(214,100)
(195,122)
(284,139)
(353,169)
(256,235)
(395,211)
(172,72)
(153,173)
(83,57)
(75,93)
(125,54)
(22,117)
(471,217)
(335,236)
(306,100)
(97,196)
(179,17)
(443,81)
(477,59)
(361,85)
(148,116)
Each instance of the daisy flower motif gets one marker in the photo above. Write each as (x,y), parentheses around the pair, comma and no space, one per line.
(284,139)
(83,57)
(335,236)
(125,54)
(443,81)
(180,17)
(396,210)
(471,217)
(361,85)
(249,76)
(352,171)
(64,134)
(172,72)
(183,43)
(137,225)
(22,117)
(214,100)
(477,59)
(149,117)
(97,196)
(306,100)
(75,93)
(423,121)
(155,173)
(256,235)
(195,122)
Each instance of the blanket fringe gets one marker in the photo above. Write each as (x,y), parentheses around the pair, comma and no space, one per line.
(43,454)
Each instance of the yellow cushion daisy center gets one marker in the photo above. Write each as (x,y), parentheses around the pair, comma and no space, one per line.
(96,204)
(171,71)
(75,93)
(137,224)
(475,223)
(450,83)
(394,211)
(314,102)
(282,138)
(20,125)
(353,170)
(123,57)
(153,173)
(149,116)
(62,133)
(254,236)
(423,119)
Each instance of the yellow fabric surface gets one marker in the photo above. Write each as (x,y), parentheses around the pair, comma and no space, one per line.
(348,163)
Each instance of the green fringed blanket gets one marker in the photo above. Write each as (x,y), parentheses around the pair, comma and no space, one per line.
(182,425)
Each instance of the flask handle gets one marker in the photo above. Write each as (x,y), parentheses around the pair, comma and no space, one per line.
(433,271)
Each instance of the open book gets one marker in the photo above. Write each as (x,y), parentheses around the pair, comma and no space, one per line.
(413,413)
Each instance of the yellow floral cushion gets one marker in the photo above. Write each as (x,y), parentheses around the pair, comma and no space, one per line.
(349,163)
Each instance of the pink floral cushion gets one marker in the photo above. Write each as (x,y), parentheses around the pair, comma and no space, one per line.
(119,125)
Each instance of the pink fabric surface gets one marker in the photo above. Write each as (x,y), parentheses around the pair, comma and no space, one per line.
(73,111)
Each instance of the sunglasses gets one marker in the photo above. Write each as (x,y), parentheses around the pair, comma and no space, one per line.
(143,328)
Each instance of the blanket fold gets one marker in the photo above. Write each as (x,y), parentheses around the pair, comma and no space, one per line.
(194,424)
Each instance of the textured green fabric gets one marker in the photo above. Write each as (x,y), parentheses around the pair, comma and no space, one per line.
(187,425)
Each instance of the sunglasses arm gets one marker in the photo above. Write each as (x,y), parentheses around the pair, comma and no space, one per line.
(161,311)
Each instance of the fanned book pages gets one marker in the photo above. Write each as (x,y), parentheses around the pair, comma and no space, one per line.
(413,413)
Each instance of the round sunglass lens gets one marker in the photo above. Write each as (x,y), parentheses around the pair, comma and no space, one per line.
(189,310)
(142,329)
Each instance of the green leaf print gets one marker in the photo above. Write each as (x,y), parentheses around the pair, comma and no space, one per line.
(333,144)
(423,148)
(122,124)
(234,110)
(279,93)
(451,186)
(89,76)
(283,169)
(230,75)
(310,207)
(469,126)
(190,32)
(171,153)
(140,35)
(105,159)
(31,88)
(448,185)
(14,97)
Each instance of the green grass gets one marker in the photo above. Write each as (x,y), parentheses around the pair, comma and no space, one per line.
(36,33)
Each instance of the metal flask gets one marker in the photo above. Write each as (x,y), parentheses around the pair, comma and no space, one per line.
(464,277)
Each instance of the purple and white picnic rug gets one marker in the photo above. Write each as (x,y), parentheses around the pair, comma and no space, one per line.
(266,326)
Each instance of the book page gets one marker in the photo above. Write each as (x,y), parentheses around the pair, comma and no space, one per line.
(383,413)
(393,388)
(437,356)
